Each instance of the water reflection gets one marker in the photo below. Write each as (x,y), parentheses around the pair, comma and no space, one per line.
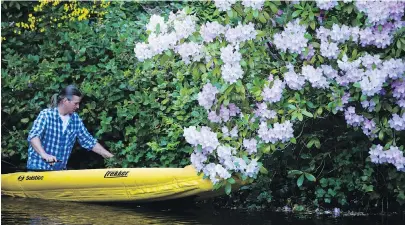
(36,211)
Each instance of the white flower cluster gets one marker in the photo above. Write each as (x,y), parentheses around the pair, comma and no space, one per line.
(398,91)
(207,96)
(367,36)
(198,159)
(230,55)
(292,38)
(190,52)
(216,172)
(282,132)
(225,5)
(345,99)
(274,93)
(326,4)
(397,122)
(293,80)
(368,126)
(370,71)
(226,156)
(211,30)
(225,113)
(250,145)
(240,33)
(368,105)
(393,155)
(352,118)
(205,138)
(380,12)
(233,133)
(165,35)
(329,50)
(255,4)
(315,76)
(263,112)
(154,22)
(231,69)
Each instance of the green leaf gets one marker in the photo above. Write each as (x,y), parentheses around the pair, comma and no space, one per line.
(320,59)
(158,28)
(263,170)
(202,67)
(381,135)
(243,63)
(294,172)
(300,117)
(231,180)
(300,180)
(228,188)
(310,143)
(255,13)
(273,7)
(317,144)
(319,111)
(296,13)
(230,13)
(308,114)
(262,18)
(293,140)
(315,44)
(312,25)
(310,105)
(266,15)
(308,36)
(310,177)
(25,120)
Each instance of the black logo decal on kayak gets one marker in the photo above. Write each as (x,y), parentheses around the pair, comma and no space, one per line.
(34,178)
(116,174)
(21,178)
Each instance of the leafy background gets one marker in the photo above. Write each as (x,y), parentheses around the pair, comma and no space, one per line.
(138,111)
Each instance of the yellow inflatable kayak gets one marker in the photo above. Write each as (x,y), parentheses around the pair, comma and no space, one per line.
(110,185)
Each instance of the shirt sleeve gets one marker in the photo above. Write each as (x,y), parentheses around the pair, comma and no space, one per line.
(85,139)
(38,127)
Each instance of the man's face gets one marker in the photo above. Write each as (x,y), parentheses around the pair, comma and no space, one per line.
(72,105)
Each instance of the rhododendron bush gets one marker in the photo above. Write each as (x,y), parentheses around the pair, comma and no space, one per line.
(268,66)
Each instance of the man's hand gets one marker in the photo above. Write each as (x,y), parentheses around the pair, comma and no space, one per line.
(108,155)
(102,151)
(49,158)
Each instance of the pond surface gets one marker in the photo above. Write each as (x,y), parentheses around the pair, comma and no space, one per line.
(35,211)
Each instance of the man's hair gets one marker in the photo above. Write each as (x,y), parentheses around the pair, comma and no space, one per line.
(66,92)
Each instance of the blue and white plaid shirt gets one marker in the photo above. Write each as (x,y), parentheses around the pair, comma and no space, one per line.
(48,127)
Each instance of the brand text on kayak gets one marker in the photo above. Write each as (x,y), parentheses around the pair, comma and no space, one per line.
(115,174)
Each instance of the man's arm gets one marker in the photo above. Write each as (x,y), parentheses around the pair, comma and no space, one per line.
(33,137)
(101,151)
(37,146)
(90,143)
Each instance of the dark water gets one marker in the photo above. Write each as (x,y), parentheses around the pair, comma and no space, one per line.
(33,211)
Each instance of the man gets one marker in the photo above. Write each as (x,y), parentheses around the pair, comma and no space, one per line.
(55,130)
